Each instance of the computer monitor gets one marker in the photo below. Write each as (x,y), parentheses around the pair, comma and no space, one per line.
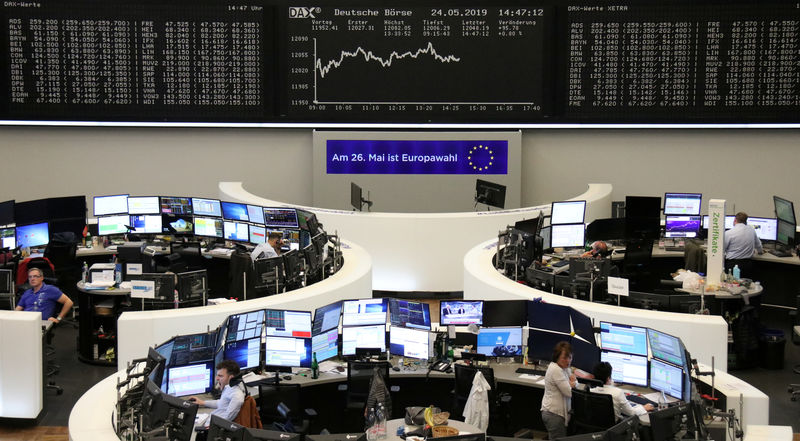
(594,436)
(143,205)
(280,217)
(766,228)
(567,212)
(642,217)
(258,234)
(410,314)
(355,196)
(192,349)
(109,225)
(177,205)
(285,323)
(159,410)
(682,204)
(247,353)
(237,231)
(582,325)
(325,344)
(115,204)
(546,233)
(221,429)
(208,227)
(667,378)
(338,437)
(293,265)
(666,424)
(567,236)
(505,313)
(146,223)
(583,267)
(66,207)
(165,349)
(541,343)
(647,300)
(461,312)
(191,379)
(364,312)
(465,437)
(784,210)
(626,368)
(255,213)
(363,337)
(271,435)
(410,343)
(192,285)
(326,317)
(34,235)
(666,347)
(8,238)
(206,207)
(785,234)
(681,226)
(623,338)
(320,240)
(549,316)
(313,260)
(282,353)
(177,224)
(530,226)
(235,211)
(728,222)
(7,212)
(308,221)
(606,229)
(585,355)
(490,193)
(245,325)
(500,342)
(625,430)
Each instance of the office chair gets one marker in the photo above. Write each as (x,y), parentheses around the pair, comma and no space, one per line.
(591,412)
(280,406)
(268,276)
(359,378)
(498,403)
(43,263)
(61,251)
(240,276)
(7,291)
(190,255)
(51,367)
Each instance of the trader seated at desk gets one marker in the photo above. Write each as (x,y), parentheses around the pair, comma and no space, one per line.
(741,242)
(270,248)
(602,373)
(44,298)
(232,398)
(599,250)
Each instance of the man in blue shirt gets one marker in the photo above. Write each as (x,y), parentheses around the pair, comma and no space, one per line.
(232,398)
(43,297)
(741,242)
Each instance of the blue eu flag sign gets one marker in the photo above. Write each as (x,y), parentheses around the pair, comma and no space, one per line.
(472,157)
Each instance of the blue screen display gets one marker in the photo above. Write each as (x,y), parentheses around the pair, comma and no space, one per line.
(500,342)
(666,378)
(287,352)
(236,231)
(623,338)
(233,211)
(33,235)
(255,213)
(326,345)
(665,347)
(247,353)
(399,157)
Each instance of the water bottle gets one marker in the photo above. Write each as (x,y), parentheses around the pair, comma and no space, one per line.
(380,421)
(314,366)
(88,239)
(118,273)
(371,426)
(736,272)
(175,299)
(85,276)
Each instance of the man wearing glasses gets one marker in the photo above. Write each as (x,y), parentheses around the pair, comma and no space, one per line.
(44,298)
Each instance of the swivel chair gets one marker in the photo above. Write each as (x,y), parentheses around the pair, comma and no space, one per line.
(591,412)
(51,367)
(498,403)
(359,378)
(280,406)
(7,291)
(189,253)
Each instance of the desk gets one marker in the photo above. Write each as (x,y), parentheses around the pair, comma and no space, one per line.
(91,346)
(392,426)
(22,360)
(767,433)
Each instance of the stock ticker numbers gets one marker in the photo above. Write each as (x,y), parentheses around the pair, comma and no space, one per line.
(416,62)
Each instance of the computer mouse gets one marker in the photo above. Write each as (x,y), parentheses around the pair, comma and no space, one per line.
(396,368)
(192,399)
(287,377)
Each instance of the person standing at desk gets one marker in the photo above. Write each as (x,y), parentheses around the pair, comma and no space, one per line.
(602,373)
(270,248)
(43,297)
(741,242)
(558,383)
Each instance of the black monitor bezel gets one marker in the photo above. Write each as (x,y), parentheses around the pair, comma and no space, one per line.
(553,205)
(775,200)
(664,205)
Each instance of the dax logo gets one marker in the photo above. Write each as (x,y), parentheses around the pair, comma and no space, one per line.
(303,12)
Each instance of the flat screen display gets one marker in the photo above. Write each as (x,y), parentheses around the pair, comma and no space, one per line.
(208,226)
(682,204)
(7,212)
(505,313)
(364,312)
(326,317)
(411,343)
(191,379)
(283,323)
(113,225)
(8,238)
(247,353)
(665,347)
(177,224)
(623,338)
(567,212)
(34,235)
(786,232)
(206,207)
(626,368)
(728,222)
(784,210)
(287,352)
(567,236)
(105,205)
(177,205)
(681,226)
(236,231)
(143,205)
(255,213)
(666,378)
(363,337)
(500,342)
(549,316)
(245,325)
(280,217)
(234,211)
(146,223)
(258,234)
(409,314)
(766,228)
(325,344)
(461,312)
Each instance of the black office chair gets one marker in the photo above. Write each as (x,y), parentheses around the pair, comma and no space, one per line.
(190,255)
(240,276)
(499,415)
(61,251)
(7,291)
(359,377)
(51,367)
(268,276)
(591,412)
(280,406)
(41,263)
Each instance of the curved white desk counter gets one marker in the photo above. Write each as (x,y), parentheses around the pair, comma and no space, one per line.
(422,251)
(21,361)
(139,330)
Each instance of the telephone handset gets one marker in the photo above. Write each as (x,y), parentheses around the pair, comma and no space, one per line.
(441,366)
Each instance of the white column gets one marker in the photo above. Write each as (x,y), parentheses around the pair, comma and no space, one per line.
(716,241)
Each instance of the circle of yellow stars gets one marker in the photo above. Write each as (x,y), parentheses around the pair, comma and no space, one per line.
(475,149)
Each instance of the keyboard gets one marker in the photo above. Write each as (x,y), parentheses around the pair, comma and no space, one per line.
(561,263)
(530,371)
(780,253)
(638,399)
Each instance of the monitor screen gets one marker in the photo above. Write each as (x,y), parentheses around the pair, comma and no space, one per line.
(567,212)
(623,338)
(176,205)
(500,342)
(33,235)
(681,226)
(326,344)
(728,222)
(247,353)
(665,347)
(7,212)
(113,225)
(8,238)
(206,207)
(355,196)
(105,205)
(146,223)
(410,314)
(687,204)
(546,233)
(177,224)
(784,210)
(191,379)
(666,378)
(585,356)
(283,323)
(364,337)
(258,234)
(287,352)
(192,349)
(766,228)
(490,193)
(245,325)
(364,312)
(208,226)
(542,343)
(460,312)
(785,234)
(280,217)
(626,368)
(255,213)
(236,231)
(66,207)
(567,236)
(411,343)
(234,211)
(143,205)
(165,349)
(505,313)
(326,317)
